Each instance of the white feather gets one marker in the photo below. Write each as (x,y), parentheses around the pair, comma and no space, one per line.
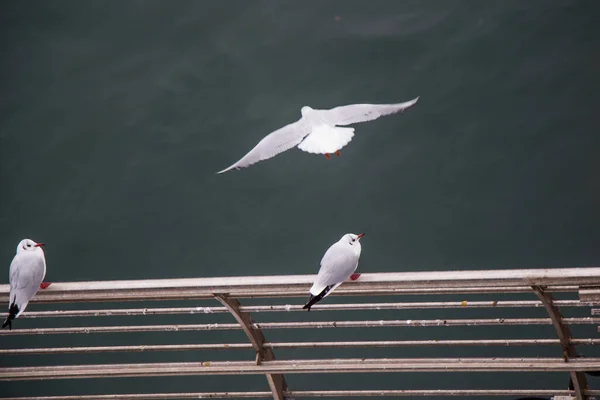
(355,113)
(276,142)
(325,139)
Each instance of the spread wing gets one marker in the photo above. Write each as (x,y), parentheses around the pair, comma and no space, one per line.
(355,113)
(274,143)
(338,263)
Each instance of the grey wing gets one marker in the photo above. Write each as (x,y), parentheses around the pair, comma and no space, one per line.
(337,265)
(274,143)
(25,278)
(13,276)
(355,113)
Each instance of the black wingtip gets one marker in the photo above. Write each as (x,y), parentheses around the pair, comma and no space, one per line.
(12,313)
(309,303)
(315,299)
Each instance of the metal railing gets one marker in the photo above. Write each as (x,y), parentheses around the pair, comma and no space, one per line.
(539,284)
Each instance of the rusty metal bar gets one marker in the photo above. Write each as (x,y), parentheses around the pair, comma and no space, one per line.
(298,325)
(257,339)
(317,393)
(124,349)
(564,335)
(114,312)
(436,393)
(298,345)
(590,294)
(297,285)
(351,365)
(51,295)
(429,343)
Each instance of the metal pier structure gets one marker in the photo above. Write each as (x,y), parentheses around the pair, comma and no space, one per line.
(575,288)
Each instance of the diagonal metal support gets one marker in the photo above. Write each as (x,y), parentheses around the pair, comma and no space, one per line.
(564,335)
(257,338)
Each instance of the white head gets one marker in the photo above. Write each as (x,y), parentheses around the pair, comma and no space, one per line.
(29,245)
(305,110)
(352,240)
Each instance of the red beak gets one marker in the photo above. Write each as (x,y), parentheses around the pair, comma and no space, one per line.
(40,244)
(360,235)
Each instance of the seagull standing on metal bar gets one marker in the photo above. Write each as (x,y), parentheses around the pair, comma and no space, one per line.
(27,272)
(338,264)
(318,131)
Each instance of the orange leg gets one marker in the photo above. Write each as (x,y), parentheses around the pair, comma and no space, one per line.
(338,153)
(327,156)
(44,285)
(354,276)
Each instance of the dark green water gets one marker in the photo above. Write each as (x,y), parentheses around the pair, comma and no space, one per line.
(115,116)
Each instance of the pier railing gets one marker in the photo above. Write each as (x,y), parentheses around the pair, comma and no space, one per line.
(577,287)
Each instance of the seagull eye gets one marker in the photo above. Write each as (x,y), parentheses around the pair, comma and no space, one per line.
(28,245)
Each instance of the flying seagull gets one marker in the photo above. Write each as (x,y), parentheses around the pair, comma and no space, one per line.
(318,131)
(338,264)
(27,271)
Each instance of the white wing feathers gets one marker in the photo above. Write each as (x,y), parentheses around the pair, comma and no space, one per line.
(274,143)
(338,263)
(25,278)
(355,113)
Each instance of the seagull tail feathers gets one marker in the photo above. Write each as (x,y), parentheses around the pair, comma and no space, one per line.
(12,313)
(315,299)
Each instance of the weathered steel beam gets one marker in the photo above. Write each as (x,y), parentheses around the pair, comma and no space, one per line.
(350,365)
(257,339)
(297,345)
(564,335)
(298,325)
(297,285)
(316,393)
(117,312)
(590,294)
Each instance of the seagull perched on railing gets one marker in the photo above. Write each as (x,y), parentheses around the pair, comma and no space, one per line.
(318,131)
(338,264)
(27,272)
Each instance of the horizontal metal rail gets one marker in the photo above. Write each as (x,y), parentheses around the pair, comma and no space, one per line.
(350,365)
(590,294)
(581,282)
(192,294)
(115,312)
(494,281)
(317,393)
(299,345)
(299,325)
